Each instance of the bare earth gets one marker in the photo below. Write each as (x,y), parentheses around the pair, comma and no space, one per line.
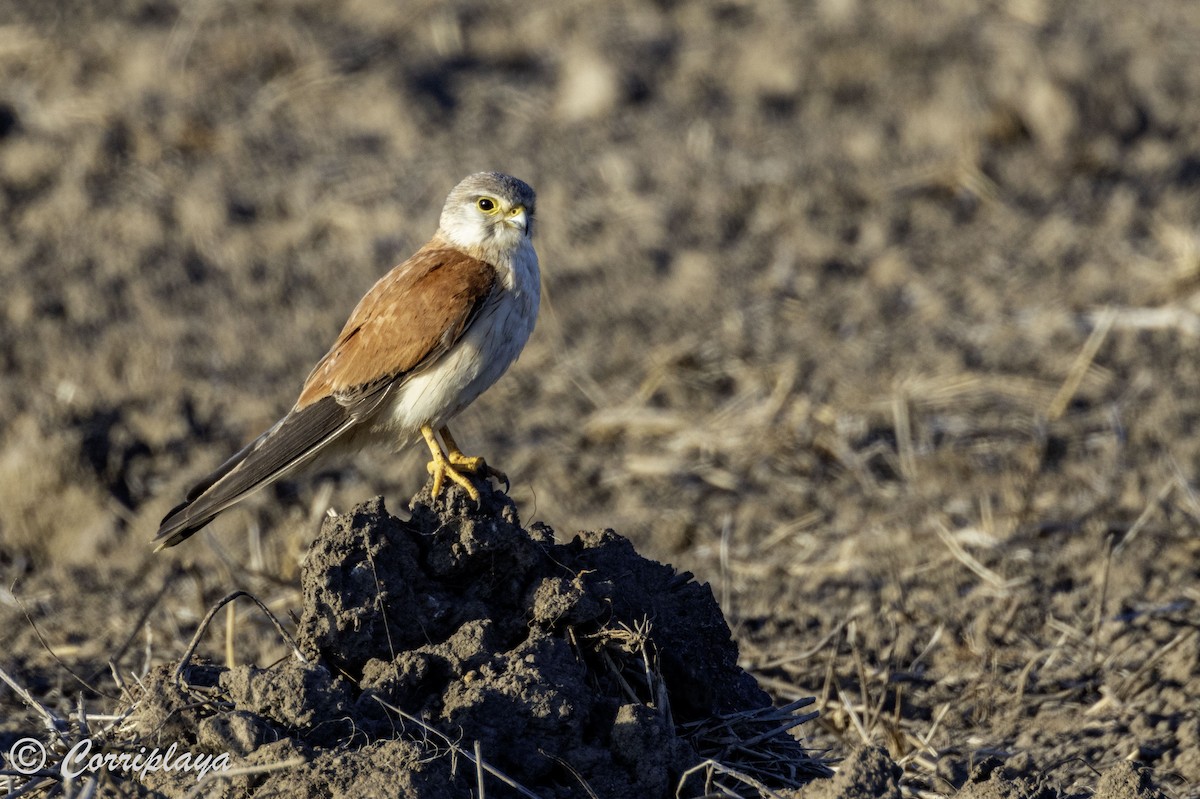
(882,319)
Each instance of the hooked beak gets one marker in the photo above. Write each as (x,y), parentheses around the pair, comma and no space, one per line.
(518,217)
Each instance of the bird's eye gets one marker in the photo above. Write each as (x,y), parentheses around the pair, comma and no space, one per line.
(486,204)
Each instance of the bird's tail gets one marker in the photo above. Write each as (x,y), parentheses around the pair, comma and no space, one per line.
(289,445)
(201,505)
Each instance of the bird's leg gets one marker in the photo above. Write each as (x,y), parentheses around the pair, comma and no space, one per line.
(456,455)
(442,466)
(474,465)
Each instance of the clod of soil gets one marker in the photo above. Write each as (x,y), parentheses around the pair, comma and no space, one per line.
(457,634)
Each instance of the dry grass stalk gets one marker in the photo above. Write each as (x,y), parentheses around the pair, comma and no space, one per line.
(1168,318)
(475,759)
(1000,585)
(264,768)
(713,787)
(208,617)
(1083,361)
(66,732)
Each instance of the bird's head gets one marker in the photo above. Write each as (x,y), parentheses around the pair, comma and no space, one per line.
(489,212)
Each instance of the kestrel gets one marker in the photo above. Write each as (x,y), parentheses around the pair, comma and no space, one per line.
(426,340)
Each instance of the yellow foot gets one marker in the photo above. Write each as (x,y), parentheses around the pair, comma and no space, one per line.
(455,465)
(441,468)
(475,465)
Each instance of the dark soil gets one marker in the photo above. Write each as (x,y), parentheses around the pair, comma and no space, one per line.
(880,318)
(567,665)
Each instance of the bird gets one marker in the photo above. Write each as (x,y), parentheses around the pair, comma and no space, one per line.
(423,343)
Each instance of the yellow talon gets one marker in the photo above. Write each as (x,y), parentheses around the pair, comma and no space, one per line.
(443,469)
(475,465)
(465,462)
(453,463)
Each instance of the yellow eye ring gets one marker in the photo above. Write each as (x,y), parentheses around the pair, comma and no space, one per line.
(487,205)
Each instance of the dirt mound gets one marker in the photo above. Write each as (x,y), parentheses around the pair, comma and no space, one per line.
(456,637)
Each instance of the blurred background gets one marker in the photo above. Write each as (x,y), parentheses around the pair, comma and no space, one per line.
(882,318)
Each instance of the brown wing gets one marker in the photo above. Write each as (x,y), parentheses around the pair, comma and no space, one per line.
(407,320)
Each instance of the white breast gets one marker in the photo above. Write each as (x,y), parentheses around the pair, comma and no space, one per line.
(481,356)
